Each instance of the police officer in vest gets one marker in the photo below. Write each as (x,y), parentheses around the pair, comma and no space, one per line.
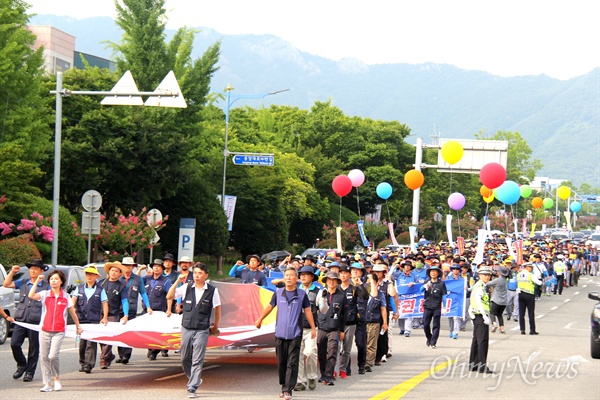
(357,272)
(559,272)
(199,300)
(479,311)
(28,311)
(157,286)
(134,288)
(526,281)
(291,303)
(308,365)
(117,305)
(91,303)
(353,290)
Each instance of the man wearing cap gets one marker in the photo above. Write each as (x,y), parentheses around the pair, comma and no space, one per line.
(376,309)
(134,288)
(435,290)
(157,286)
(454,321)
(526,281)
(118,306)
(331,316)
(170,267)
(91,304)
(406,278)
(199,301)
(357,271)
(512,297)
(540,272)
(28,311)
(353,291)
(291,303)
(559,272)
(308,364)
(479,311)
(391,298)
(249,272)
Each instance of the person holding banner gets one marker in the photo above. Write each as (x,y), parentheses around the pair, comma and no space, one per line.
(435,290)
(455,321)
(406,278)
(479,311)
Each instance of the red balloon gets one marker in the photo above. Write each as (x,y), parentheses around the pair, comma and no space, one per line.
(342,185)
(492,175)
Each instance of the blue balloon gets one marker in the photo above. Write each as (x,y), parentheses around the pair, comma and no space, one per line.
(384,190)
(575,206)
(508,193)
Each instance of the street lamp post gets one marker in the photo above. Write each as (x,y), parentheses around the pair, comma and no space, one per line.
(230,100)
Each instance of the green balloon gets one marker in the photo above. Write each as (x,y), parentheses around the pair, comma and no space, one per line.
(525,191)
(548,202)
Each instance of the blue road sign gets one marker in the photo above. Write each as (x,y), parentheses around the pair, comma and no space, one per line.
(254,159)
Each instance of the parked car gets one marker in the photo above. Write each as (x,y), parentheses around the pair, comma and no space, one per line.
(561,235)
(594,240)
(595,335)
(7,302)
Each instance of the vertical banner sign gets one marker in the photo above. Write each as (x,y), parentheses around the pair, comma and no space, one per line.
(187,235)
(543,229)
(449,229)
(338,235)
(532,229)
(519,247)
(460,241)
(488,224)
(412,231)
(524,227)
(511,249)
(361,231)
(568,218)
(481,236)
(516,224)
(229,208)
(392,236)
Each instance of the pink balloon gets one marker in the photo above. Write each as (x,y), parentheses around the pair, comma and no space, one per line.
(341,185)
(492,175)
(357,177)
(456,201)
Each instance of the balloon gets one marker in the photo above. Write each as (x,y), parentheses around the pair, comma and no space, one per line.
(525,191)
(492,175)
(384,190)
(357,177)
(342,185)
(489,199)
(485,191)
(548,202)
(537,202)
(575,206)
(414,179)
(508,193)
(564,192)
(452,152)
(456,201)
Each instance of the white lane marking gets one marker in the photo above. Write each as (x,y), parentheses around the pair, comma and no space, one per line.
(554,308)
(539,316)
(164,378)
(575,294)
(516,328)
(584,286)
(567,300)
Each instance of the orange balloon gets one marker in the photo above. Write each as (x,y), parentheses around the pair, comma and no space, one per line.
(485,191)
(414,179)
(537,202)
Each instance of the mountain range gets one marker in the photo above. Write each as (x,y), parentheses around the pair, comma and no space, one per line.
(560,120)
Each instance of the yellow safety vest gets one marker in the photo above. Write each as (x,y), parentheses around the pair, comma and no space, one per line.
(485,297)
(559,267)
(525,283)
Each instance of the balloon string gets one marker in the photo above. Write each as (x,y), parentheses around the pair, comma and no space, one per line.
(450,180)
(358,202)
(458,221)
(388,211)
(340,211)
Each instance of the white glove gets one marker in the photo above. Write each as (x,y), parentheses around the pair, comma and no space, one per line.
(486,320)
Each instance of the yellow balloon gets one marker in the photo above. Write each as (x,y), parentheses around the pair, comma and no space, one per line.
(452,152)
(489,199)
(564,192)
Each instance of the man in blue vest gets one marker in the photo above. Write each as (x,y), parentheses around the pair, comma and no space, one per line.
(134,288)
(291,304)
(28,311)
(199,300)
(157,286)
(308,366)
(91,303)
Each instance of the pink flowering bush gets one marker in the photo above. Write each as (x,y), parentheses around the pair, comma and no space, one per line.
(37,229)
(125,235)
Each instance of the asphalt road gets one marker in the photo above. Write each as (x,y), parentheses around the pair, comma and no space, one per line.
(554,365)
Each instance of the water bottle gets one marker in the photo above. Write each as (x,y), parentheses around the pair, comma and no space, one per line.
(77,340)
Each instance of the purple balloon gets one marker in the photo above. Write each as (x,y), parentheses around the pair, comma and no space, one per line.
(456,201)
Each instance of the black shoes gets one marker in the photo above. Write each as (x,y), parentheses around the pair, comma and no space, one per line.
(368,369)
(28,377)
(119,360)
(164,353)
(486,370)
(125,361)
(19,373)
(523,333)
(361,371)
(534,333)
(87,369)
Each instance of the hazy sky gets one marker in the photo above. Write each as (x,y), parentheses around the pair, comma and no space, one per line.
(559,38)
